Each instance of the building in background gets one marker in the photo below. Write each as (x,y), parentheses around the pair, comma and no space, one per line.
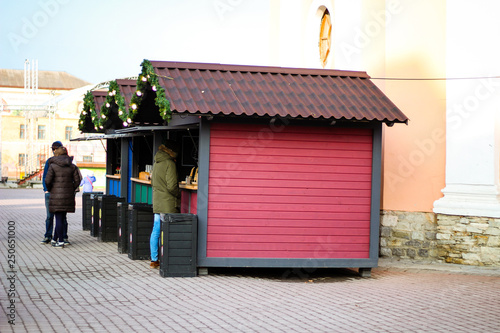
(31,119)
(435,60)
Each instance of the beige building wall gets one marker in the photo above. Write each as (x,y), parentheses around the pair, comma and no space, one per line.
(67,105)
(13,145)
(386,39)
(414,155)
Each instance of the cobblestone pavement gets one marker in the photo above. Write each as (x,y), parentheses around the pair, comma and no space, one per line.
(90,287)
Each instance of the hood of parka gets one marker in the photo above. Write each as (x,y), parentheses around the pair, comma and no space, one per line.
(162,155)
(62,160)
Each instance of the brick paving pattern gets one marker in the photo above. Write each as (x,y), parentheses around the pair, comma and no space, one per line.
(89,287)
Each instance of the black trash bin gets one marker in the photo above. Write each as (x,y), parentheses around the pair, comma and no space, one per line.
(122,225)
(94,226)
(87,209)
(108,222)
(140,225)
(178,245)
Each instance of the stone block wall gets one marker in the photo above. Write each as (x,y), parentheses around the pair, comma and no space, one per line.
(448,238)
(408,235)
(468,240)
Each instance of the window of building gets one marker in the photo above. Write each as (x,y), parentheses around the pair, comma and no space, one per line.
(41,158)
(87,158)
(22,131)
(325,37)
(22,159)
(68,133)
(41,132)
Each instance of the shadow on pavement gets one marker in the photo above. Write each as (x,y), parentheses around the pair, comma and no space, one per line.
(299,275)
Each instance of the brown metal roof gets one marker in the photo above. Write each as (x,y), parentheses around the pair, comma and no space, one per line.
(127,89)
(46,79)
(99,99)
(274,91)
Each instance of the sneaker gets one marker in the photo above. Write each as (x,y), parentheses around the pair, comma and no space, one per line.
(154,264)
(66,242)
(53,242)
(46,240)
(58,245)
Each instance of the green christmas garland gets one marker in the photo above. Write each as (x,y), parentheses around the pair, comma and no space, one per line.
(149,77)
(88,114)
(114,97)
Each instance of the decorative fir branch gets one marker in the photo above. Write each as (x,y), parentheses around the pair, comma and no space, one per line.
(149,78)
(88,114)
(114,97)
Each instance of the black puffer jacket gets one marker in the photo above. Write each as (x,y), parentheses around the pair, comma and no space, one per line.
(63,179)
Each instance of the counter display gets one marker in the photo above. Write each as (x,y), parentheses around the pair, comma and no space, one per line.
(113,184)
(142,190)
(189,197)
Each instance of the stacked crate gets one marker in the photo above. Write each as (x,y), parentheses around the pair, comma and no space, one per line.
(178,246)
(94,226)
(108,219)
(140,225)
(87,209)
(122,226)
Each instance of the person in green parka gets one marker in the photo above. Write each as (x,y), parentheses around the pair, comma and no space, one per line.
(165,192)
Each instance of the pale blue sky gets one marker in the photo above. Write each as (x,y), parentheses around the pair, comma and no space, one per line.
(99,40)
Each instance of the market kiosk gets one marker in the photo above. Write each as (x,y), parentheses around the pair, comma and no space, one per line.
(288,160)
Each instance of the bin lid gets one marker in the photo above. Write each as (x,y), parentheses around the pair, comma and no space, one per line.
(105,196)
(142,206)
(179,218)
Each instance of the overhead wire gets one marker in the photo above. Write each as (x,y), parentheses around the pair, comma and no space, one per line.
(434,78)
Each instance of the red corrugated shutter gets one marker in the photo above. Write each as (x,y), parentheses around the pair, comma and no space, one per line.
(289,192)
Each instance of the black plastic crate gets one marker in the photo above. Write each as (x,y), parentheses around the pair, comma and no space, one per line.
(122,226)
(178,245)
(140,225)
(87,209)
(108,219)
(94,226)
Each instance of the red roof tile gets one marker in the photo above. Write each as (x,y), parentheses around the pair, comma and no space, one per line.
(274,91)
(99,99)
(127,89)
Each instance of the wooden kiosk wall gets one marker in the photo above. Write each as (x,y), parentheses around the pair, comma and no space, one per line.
(290,196)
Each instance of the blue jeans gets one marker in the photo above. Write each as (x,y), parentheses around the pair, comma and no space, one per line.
(59,231)
(49,221)
(154,241)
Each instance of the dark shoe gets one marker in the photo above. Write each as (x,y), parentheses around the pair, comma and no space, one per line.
(154,264)
(66,242)
(58,245)
(46,240)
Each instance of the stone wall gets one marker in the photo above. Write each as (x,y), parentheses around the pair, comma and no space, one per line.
(468,240)
(447,238)
(408,235)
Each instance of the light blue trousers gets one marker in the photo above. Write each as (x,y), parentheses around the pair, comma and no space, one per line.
(154,241)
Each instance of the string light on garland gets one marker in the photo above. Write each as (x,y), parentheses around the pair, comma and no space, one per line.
(113,97)
(148,77)
(88,114)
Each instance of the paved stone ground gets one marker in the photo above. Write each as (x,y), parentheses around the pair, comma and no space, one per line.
(90,287)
